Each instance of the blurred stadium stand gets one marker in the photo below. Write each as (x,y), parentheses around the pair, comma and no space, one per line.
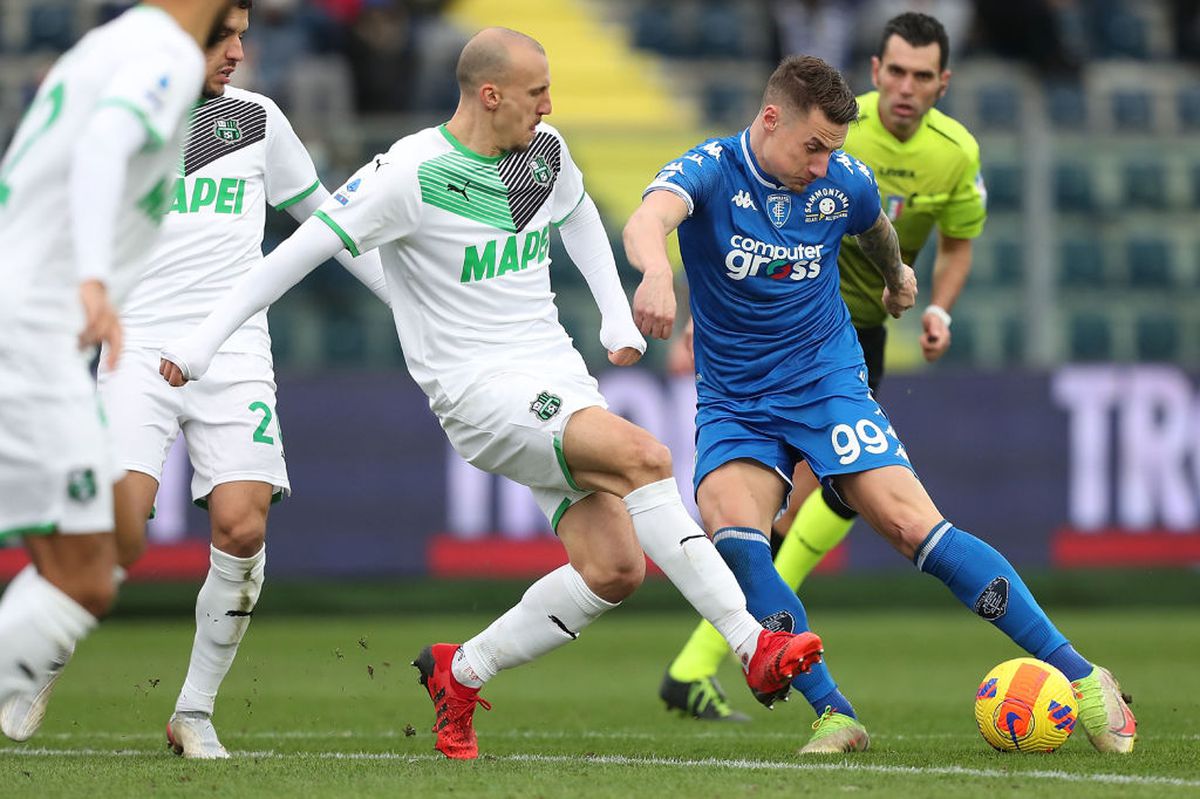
(1112,274)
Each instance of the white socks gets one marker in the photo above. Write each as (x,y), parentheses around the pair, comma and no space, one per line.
(687,556)
(39,626)
(551,613)
(223,610)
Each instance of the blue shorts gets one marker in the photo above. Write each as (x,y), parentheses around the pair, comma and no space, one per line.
(833,423)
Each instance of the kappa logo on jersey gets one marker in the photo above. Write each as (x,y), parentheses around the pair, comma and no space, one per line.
(825,205)
(743,200)
(750,258)
(227,130)
(779,209)
(545,406)
(81,485)
(533,249)
(540,170)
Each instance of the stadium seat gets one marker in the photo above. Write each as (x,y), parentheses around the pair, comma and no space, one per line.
(1145,184)
(1133,110)
(343,340)
(1187,105)
(1012,339)
(723,103)
(1004,186)
(721,30)
(1091,338)
(656,28)
(962,340)
(1157,337)
(1008,264)
(1066,105)
(51,27)
(1150,263)
(1081,264)
(999,107)
(1073,187)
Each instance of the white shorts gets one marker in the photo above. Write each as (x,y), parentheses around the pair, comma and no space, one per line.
(56,469)
(228,420)
(511,424)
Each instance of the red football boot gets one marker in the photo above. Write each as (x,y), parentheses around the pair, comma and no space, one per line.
(453,703)
(779,658)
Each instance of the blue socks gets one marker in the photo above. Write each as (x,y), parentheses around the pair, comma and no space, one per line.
(986,583)
(747,552)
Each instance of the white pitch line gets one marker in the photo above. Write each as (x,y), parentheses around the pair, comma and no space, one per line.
(684,732)
(622,760)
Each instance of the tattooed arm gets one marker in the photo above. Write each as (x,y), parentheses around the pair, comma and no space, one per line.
(882,248)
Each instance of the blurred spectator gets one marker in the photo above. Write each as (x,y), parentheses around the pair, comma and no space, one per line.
(1038,32)
(824,28)
(1185,22)
(381,56)
(955,16)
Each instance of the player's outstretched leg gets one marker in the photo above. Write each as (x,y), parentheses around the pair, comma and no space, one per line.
(553,612)
(987,583)
(896,504)
(224,608)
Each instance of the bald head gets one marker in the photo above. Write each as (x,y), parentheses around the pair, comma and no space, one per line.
(488,57)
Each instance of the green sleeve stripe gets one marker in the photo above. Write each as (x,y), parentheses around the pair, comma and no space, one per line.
(32,529)
(562,464)
(300,196)
(343,235)
(156,139)
(578,203)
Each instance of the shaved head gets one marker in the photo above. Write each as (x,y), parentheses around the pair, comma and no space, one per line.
(488,57)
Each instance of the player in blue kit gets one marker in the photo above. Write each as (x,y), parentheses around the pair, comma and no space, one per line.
(780,375)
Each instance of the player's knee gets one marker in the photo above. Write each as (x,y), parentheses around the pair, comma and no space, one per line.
(905,529)
(241,536)
(130,549)
(95,590)
(647,460)
(617,579)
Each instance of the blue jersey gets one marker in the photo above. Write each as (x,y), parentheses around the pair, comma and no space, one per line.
(761,263)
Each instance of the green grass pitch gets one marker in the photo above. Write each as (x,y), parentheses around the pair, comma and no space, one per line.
(324,706)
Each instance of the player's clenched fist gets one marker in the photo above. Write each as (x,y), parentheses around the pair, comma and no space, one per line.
(654,304)
(899,298)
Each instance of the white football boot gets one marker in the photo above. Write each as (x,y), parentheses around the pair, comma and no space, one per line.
(191,734)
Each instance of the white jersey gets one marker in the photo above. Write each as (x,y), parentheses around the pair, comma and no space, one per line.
(241,154)
(143,62)
(465,243)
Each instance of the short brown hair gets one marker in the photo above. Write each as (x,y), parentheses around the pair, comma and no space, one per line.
(803,81)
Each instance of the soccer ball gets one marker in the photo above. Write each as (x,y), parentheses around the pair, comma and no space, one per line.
(1025,705)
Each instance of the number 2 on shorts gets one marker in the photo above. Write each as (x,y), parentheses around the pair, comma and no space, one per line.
(849,442)
(260,433)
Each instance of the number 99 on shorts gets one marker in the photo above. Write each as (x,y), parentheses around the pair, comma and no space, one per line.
(851,441)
